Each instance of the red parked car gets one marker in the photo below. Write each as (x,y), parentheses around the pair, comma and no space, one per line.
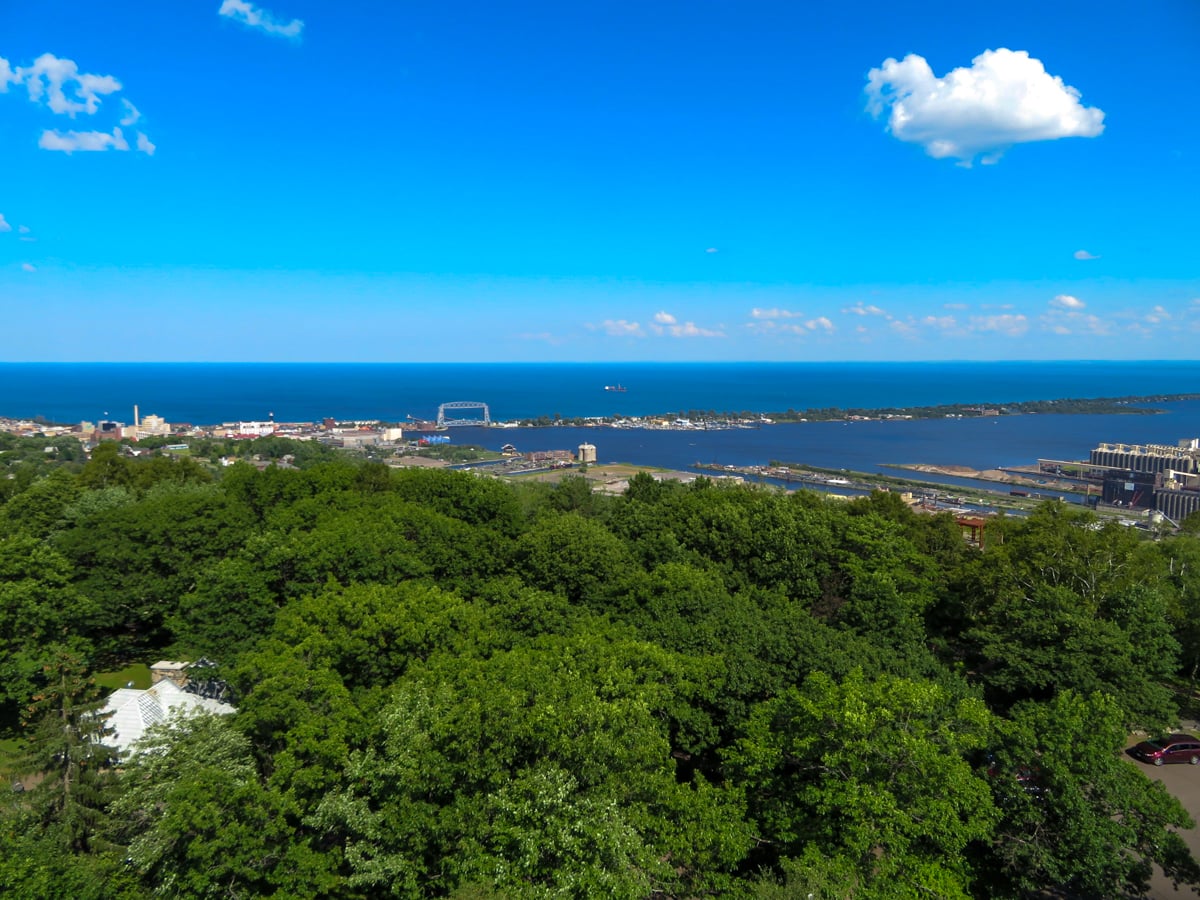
(1170,748)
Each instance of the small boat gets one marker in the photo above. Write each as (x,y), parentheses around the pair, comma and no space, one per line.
(618,388)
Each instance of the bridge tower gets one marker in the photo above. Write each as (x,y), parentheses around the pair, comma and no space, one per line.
(456,417)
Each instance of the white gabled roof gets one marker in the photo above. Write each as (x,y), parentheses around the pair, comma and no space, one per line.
(133,711)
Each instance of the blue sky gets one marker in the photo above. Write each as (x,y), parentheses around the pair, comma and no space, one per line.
(295,180)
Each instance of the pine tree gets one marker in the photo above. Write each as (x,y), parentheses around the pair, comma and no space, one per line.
(66,750)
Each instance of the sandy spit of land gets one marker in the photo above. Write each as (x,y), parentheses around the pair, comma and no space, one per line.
(1002,476)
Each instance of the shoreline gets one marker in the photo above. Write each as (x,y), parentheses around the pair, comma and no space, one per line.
(1134,405)
(710,420)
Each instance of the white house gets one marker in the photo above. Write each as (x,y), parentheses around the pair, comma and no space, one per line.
(133,711)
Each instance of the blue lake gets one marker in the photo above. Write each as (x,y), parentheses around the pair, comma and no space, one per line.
(208,393)
(212,393)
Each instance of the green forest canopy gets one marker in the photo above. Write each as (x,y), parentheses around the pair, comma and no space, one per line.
(452,686)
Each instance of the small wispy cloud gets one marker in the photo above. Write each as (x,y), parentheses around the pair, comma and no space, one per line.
(131,113)
(256,17)
(622,328)
(667,325)
(1006,324)
(4,226)
(774,313)
(958,306)
(948,326)
(92,142)
(712,250)
(1066,301)
(21,229)
(1157,315)
(689,330)
(1083,254)
(85,141)
(863,309)
(28,267)
(821,323)
(1072,321)
(941,323)
(778,326)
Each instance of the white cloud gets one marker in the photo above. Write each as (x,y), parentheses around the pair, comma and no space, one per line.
(691,330)
(683,330)
(131,113)
(821,323)
(21,229)
(774,313)
(712,250)
(1066,301)
(942,323)
(1006,97)
(70,141)
(860,309)
(622,328)
(1006,324)
(955,306)
(1157,315)
(1072,321)
(257,17)
(28,267)
(61,85)
(1083,254)
(664,318)
(4,226)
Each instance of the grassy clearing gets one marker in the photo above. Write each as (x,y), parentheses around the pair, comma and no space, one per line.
(138,673)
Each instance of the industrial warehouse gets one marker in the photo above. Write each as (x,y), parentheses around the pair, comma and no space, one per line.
(1160,478)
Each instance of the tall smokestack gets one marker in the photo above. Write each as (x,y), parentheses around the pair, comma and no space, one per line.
(135,416)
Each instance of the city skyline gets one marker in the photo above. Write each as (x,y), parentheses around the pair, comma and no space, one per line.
(221,180)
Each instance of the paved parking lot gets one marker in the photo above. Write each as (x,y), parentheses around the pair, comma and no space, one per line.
(1184,783)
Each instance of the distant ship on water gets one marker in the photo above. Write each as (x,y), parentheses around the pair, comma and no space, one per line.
(617,388)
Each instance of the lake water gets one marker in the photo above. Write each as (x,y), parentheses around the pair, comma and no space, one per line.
(863,446)
(208,393)
(212,393)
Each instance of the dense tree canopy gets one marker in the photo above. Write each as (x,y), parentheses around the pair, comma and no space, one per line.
(451,686)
